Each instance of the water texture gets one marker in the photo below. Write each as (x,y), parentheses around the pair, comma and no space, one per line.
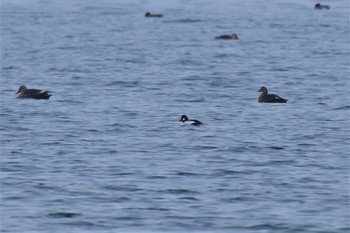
(107,152)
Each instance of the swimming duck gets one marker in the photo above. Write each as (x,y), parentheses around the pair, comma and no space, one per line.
(184,119)
(24,92)
(319,6)
(234,36)
(148,14)
(270,98)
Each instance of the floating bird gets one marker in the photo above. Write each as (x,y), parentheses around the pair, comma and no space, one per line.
(24,92)
(184,119)
(319,6)
(234,36)
(148,14)
(270,98)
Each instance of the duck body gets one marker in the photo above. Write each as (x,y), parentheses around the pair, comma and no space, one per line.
(24,92)
(319,6)
(269,98)
(184,119)
(148,14)
(234,36)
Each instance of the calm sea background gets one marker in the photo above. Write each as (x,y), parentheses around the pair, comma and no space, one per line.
(107,152)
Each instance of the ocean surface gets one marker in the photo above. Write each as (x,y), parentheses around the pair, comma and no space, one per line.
(107,152)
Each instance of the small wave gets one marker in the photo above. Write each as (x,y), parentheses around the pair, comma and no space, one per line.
(70,101)
(123,174)
(224,55)
(279,69)
(184,21)
(69,47)
(124,83)
(282,162)
(135,61)
(67,69)
(207,147)
(8,67)
(63,215)
(230,172)
(156,177)
(50,143)
(186,174)
(180,191)
(112,152)
(34,51)
(76,77)
(152,209)
(127,188)
(277,147)
(189,198)
(268,226)
(306,144)
(192,100)
(128,218)
(92,130)
(233,199)
(342,108)
(81,223)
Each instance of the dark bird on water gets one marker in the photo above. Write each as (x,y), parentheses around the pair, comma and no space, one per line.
(270,98)
(319,6)
(184,119)
(148,14)
(24,92)
(233,36)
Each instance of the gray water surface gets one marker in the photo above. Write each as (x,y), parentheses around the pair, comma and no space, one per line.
(107,152)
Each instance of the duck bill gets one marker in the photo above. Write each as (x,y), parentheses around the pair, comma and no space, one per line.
(17,92)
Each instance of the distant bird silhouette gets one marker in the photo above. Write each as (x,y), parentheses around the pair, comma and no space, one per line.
(233,36)
(184,119)
(32,93)
(270,98)
(148,14)
(319,6)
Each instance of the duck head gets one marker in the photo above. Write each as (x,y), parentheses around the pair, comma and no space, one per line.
(234,36)
(21,89)
(263,90)
(183,118)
